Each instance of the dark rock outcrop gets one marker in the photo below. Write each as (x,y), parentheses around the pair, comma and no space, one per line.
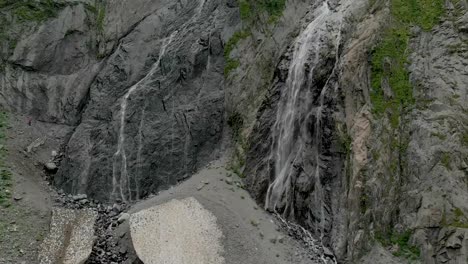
(163,59)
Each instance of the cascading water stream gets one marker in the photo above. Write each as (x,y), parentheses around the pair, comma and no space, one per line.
(287,145)
(290,131)
(122,183)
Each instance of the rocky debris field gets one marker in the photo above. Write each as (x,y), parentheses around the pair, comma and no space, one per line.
(106,247)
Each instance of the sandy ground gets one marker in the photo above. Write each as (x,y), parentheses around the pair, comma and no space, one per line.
(250,235)
(179,231)
(25,223)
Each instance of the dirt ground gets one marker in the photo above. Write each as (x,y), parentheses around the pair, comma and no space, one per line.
(24,224)
(250,235)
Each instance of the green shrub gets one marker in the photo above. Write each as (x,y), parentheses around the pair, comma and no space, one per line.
(401,240)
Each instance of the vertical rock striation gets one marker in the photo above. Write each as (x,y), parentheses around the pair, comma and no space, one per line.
(155,110)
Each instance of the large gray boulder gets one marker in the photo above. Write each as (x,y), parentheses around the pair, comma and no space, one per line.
(71,237)
(177,232)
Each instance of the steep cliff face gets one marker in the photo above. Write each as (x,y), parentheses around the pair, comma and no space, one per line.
(48,58)
(142,81)
(361,136)
(348,117)
(155,110)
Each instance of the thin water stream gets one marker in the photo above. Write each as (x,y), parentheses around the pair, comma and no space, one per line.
(121,187)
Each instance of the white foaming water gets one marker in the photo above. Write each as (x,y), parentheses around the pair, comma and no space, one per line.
(290,129)
(121,185)
(307,45)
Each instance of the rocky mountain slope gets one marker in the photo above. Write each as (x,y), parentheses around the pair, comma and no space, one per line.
(348,117)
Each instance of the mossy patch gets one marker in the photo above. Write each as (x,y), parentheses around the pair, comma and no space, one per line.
(445,160)
(19,13)
(231,63)
(30,10)
(439,135)
(401,240)
(235,121)
(250,11)
(464,138)
(390,57)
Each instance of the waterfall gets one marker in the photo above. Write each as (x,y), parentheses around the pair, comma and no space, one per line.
(296,108)
(121,185)
(288,146)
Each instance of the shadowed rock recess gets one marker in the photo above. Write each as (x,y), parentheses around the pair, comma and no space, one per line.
(348,118)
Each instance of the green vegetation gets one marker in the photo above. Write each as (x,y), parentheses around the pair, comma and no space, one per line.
(251,9)
(250,12)
(31,10)
(22,12)
(460,219)
(423,13)
(401,240)
(344,139)
(99,12)
(390,57)
(232,64)
(389,61)
(439,135)
(239,35)
(464,138)
(244,9)
(235,121)
(445,160)
(5,174)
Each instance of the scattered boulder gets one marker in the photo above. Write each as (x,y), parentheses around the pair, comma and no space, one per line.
(51,167)
(123,218)
(35,144)
(71,237)
(79,197)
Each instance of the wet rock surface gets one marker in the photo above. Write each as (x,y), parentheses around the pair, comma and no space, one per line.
(155,109)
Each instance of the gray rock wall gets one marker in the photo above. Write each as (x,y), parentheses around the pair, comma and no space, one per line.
(172,59)
(143,84)
(367,199)
(78,66)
